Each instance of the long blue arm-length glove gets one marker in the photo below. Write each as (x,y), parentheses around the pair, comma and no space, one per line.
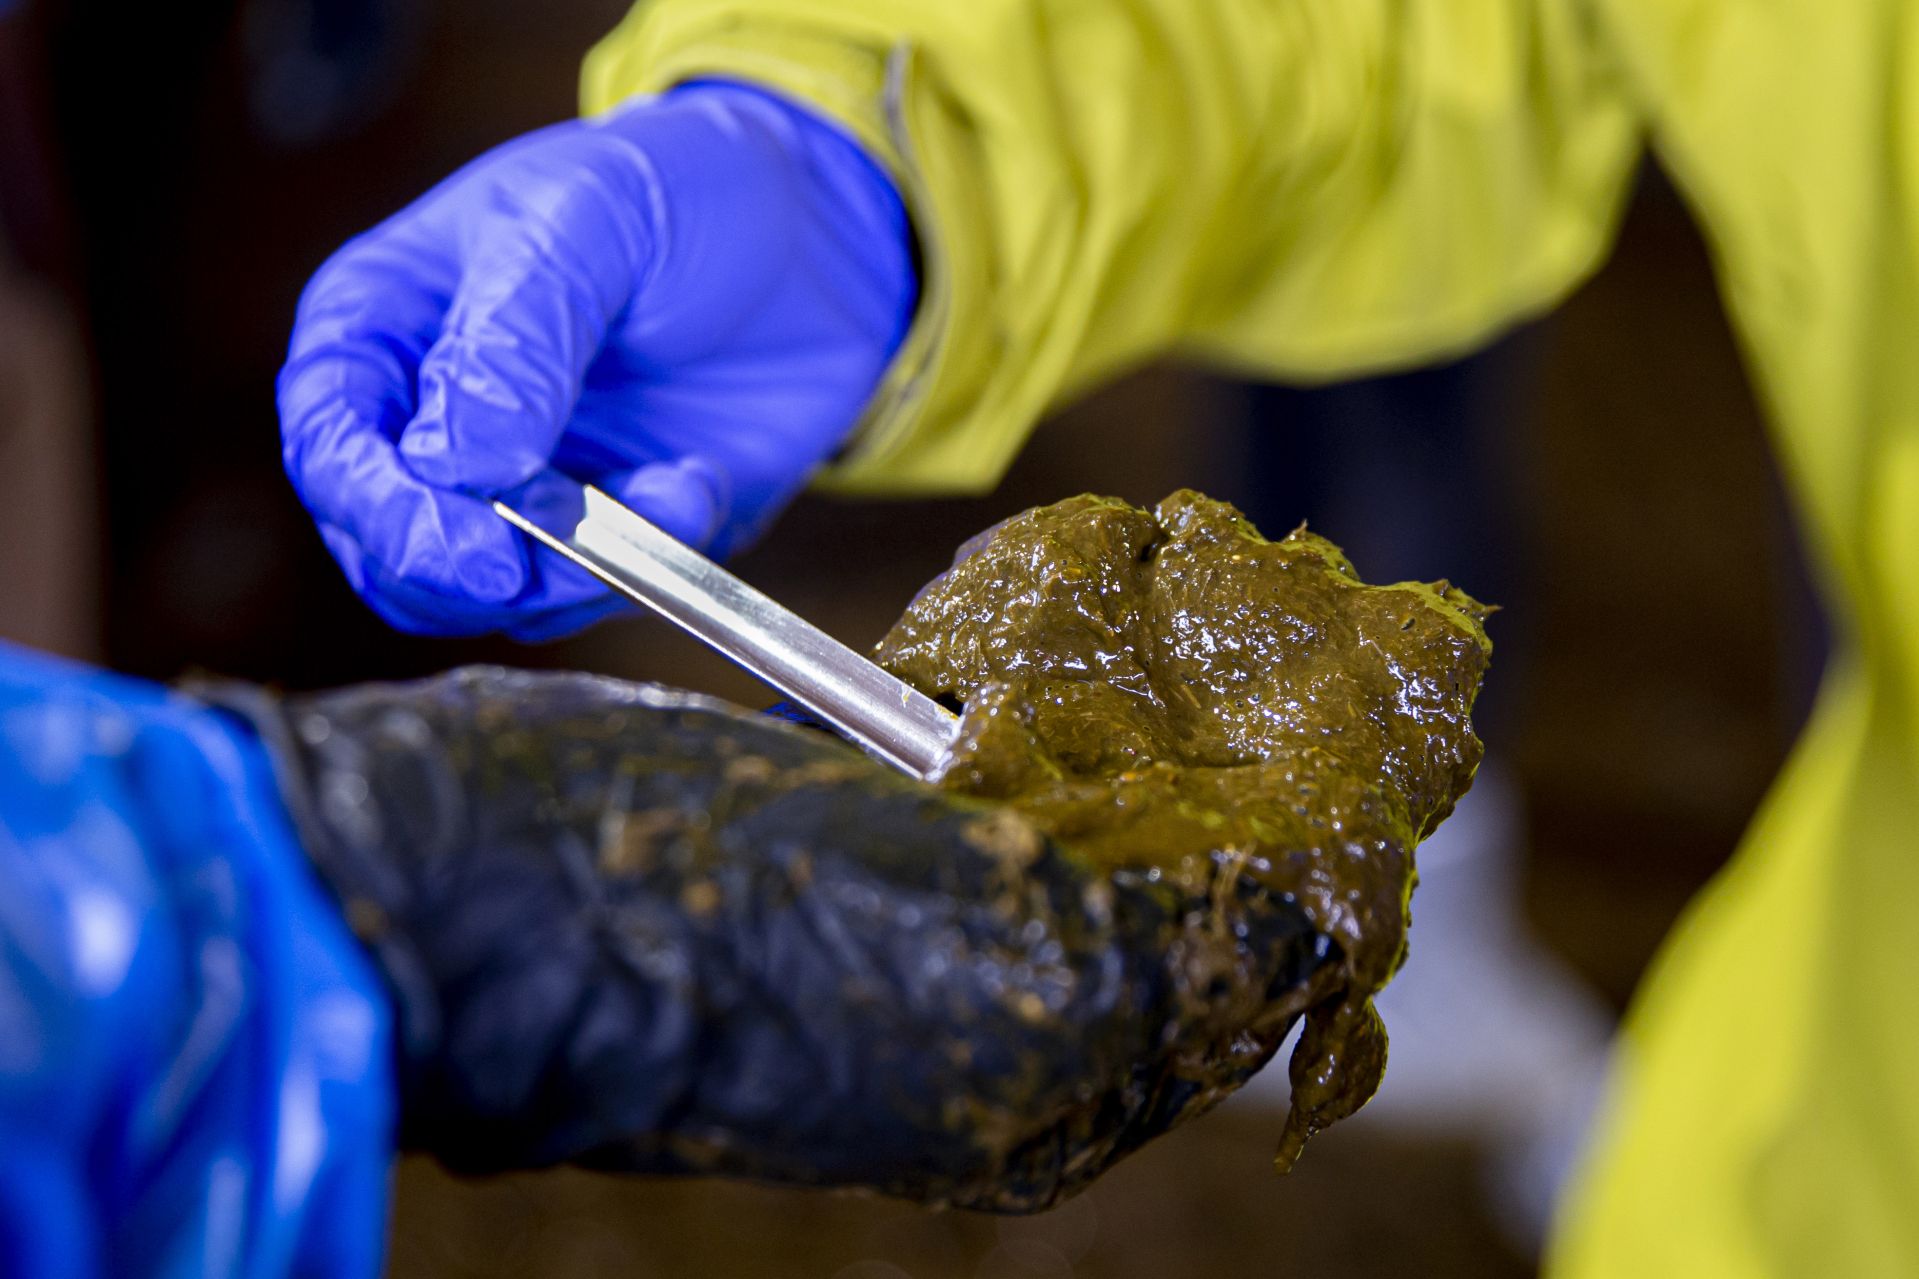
(196,1072)
(688,302)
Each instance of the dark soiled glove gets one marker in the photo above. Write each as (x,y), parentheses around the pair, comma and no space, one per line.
(640,930)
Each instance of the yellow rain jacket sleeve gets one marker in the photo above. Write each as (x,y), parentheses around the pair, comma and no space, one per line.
(1313,188)
(1308,188)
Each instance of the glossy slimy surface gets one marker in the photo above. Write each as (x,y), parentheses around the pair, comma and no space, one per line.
(1170,690)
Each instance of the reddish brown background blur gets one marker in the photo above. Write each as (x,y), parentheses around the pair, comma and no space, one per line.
(162,218)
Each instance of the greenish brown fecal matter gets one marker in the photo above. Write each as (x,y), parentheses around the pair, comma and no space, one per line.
(1169,689)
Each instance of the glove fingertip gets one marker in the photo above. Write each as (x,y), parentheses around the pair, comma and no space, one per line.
(492,577)
(687,498)
(481,556)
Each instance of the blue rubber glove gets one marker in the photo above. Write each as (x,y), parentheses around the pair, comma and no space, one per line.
(195,1058)
(689,303)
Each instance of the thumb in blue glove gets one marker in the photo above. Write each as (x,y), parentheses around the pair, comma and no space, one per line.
(688,303)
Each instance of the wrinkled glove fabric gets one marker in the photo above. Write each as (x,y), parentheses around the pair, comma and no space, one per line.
(644,931)
(688,302)
(195,1066)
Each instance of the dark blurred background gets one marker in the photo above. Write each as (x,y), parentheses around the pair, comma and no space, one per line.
(170,175)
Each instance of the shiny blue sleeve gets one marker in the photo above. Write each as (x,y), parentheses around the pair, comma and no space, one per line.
(195,1063)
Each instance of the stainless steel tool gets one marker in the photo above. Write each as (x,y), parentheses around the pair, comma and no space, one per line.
(887,717)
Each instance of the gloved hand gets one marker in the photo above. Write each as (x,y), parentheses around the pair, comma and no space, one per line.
(639,930)
(616,925)
(688,303)
(195,1062)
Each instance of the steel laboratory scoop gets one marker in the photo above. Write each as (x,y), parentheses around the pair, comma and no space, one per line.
(880,713)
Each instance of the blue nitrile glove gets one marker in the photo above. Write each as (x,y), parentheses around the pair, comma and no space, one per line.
(195,1061)
(688,302)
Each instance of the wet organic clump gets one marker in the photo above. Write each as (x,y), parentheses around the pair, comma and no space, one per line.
(1170,691)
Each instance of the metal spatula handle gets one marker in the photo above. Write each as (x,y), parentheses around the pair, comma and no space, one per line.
(640,560)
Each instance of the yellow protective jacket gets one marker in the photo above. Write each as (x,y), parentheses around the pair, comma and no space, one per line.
(1314,188)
